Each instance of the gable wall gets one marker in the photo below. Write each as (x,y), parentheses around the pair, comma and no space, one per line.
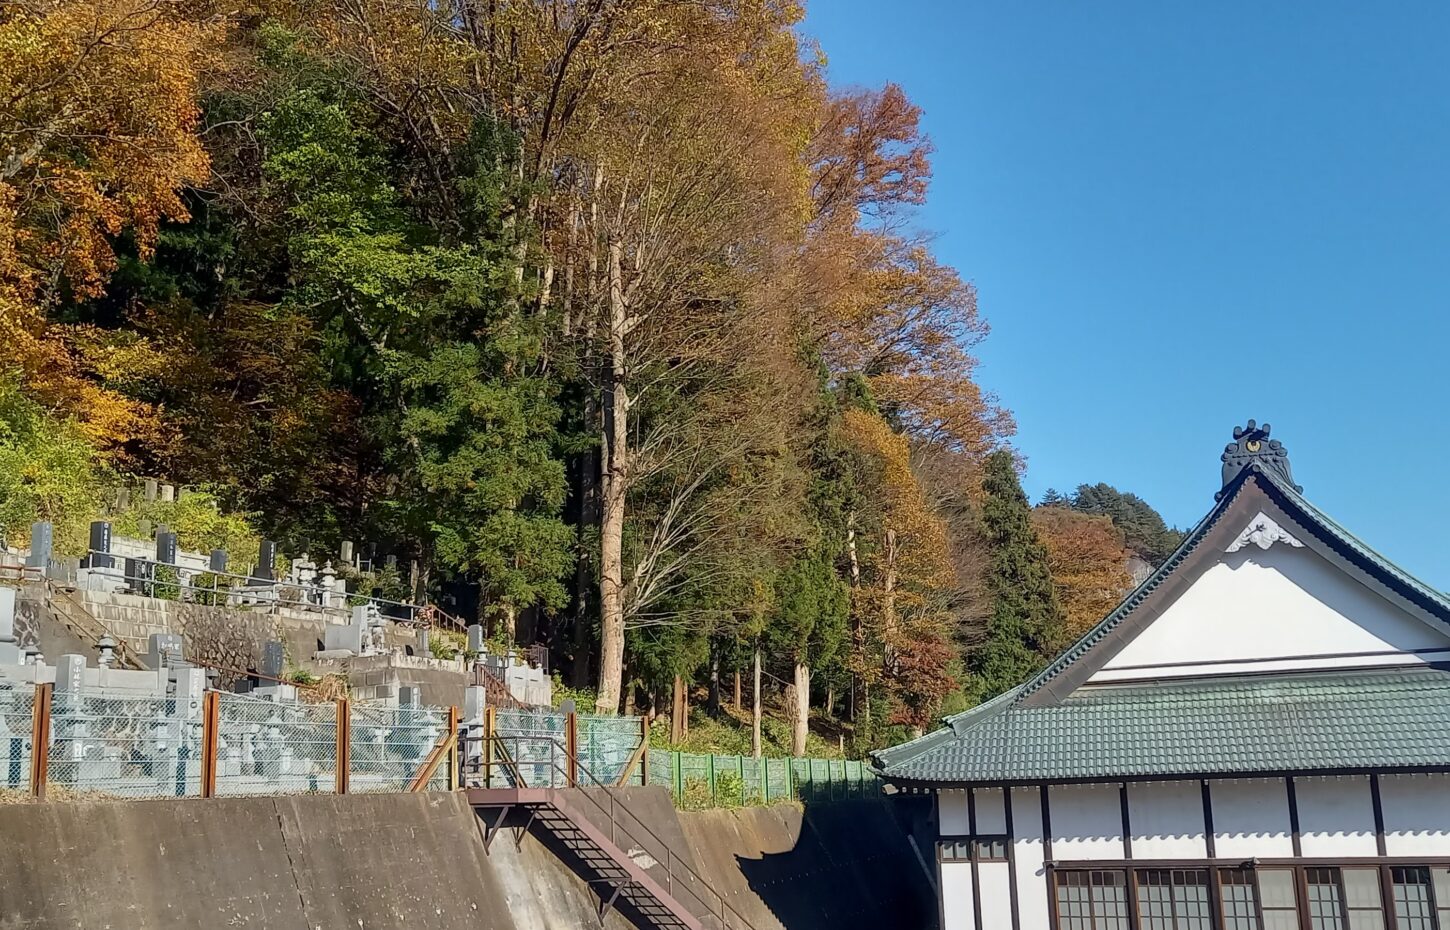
(1284,609)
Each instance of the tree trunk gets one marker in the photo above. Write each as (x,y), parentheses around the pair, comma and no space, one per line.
(616,474)
(737,691)
(755,711)
(858,641)
(510,617)
(888,601)
(678,712)
(830,700)
(800,708)
(713,703)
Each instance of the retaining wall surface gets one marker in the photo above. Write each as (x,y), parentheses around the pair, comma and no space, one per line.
(389,862)
(843,865)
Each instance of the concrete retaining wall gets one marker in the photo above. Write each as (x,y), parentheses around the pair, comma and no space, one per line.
(388,862)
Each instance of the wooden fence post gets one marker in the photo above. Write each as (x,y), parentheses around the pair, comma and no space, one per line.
(344,745)
(714,798)
(40,739)
(571,749)
(644,756)
(677,774)
(453,718)
(211,716)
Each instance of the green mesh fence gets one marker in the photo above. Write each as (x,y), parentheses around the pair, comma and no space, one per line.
(704,780)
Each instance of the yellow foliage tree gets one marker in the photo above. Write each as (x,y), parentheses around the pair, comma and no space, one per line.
(1089,564)
(98,137)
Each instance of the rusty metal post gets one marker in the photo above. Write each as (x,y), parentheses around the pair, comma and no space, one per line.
(453,719)
(211,719)
(490,728)
(40,739)
(571,748)
(344,744)
(644,756)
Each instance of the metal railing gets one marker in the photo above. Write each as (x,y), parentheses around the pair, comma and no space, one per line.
(494,753)
(109,744)
(172,582)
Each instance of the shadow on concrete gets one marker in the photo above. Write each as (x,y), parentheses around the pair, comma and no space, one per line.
(841,865)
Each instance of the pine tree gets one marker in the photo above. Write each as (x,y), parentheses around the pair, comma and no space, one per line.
(1026,619)
(1141,525)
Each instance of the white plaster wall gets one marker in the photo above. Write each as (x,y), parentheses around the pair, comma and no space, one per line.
(995,879)
(1251,818)
(956,891)
(1087,822)
(1167,820)
(1262,605)
(991,817)
(1027,850)
(952,813)
(1336,816)
(1416,809)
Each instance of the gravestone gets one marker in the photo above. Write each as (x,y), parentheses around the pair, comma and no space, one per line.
(165,546)
(164,650)
(274,657)
(475,638)
(42,536)
(100,546)
(10,653)
(218,561)
(266,559)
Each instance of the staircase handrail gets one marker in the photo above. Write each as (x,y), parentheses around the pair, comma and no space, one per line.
(581,770)
(75,614)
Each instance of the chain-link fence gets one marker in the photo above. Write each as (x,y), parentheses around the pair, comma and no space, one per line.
(388,745)
(534,742)
(268,747)
(607,746)
(104,745)
(17,710)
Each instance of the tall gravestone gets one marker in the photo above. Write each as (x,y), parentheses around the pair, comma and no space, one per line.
(42,538)
(266,559)
(100,546)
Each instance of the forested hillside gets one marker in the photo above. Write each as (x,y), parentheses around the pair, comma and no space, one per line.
(608,318)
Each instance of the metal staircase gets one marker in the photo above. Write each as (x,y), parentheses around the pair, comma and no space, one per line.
(631,868)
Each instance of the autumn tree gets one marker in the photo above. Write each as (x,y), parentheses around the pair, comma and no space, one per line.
(1142,527)
(1088,563)
(98,136)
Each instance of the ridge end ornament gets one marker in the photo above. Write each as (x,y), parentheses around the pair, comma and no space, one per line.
(1252,446)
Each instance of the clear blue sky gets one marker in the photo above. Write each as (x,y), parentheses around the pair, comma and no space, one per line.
(1182,215)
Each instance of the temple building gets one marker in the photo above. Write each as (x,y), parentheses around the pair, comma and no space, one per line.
(1257,738)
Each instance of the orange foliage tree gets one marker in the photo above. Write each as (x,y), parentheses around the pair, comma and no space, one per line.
(1089,564)
(98,121)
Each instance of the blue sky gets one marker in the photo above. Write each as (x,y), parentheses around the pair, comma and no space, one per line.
(1179,216)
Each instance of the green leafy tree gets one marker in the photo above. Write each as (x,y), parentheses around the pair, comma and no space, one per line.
(1026,621)
(811,605)
(48,471)
(426,330)
(1142,527)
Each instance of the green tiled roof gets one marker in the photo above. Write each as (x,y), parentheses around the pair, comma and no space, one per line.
(1385,719)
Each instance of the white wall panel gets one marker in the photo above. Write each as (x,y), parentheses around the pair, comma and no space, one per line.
(956,889)
(952,813)
(1336,816)
(1167,820)
(996,895)
(1417,814)
(1087,822)
(1027,850)
(991,818)
(1251,818)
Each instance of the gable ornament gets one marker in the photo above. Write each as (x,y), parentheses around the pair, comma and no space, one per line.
(1263,531)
